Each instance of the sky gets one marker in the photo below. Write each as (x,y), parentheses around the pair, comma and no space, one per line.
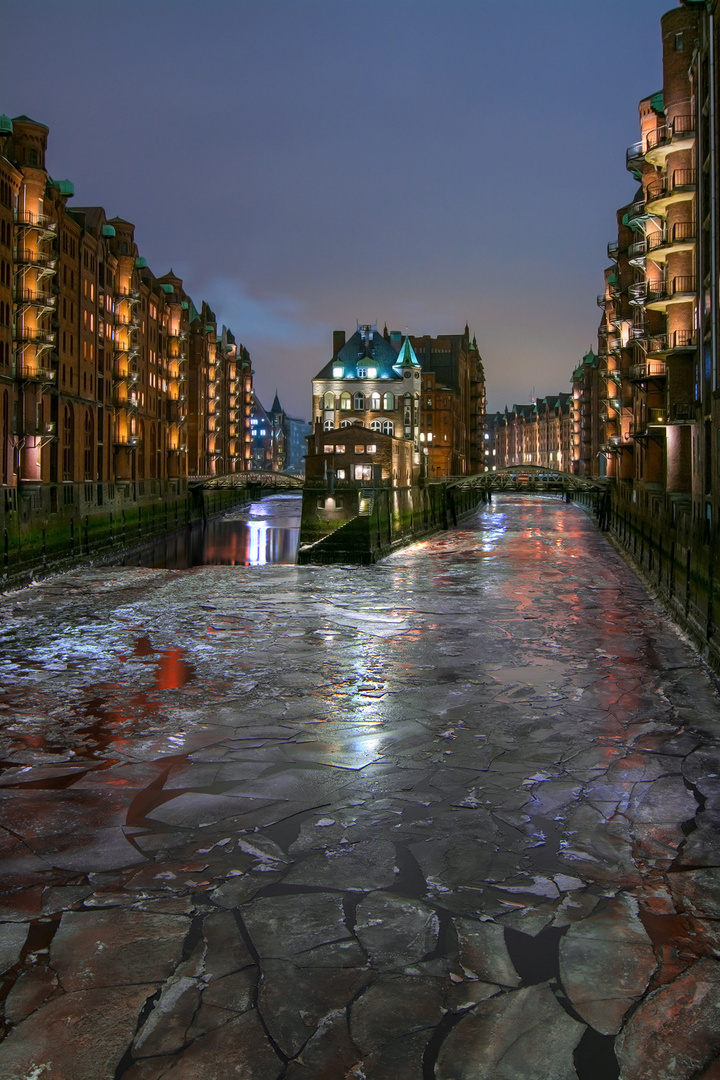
(305,165)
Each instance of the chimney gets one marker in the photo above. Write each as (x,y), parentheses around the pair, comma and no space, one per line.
(338,341)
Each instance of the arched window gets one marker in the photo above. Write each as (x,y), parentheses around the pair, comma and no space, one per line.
(345,401)
(357,423)
(329,400)
(89,445)
(5,438)
(375,401)
(67,444)
(359,401)
(346,423)
(328,425)
(376,425)
(388,427)
(389,401)
(151,450)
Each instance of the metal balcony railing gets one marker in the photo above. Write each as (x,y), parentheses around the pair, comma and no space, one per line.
(651,369)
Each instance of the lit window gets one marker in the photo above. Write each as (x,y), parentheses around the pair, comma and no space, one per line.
(372,373)
(359,449)
(345,402)
(338,372)
(329,401)
(362,472)
(371,448)
(340,449)
(389,401)
(340,474)
(429,436)
(375,401)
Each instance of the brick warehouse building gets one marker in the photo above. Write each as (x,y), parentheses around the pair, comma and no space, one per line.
(114,388)
(646,412)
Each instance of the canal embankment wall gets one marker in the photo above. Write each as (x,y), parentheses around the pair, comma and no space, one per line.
(53,528)
(359,526)
(676,558)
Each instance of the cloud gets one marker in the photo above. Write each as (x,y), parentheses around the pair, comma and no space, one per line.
(279,320)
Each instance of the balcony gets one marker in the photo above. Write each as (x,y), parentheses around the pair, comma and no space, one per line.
(651,369)
(613,250)
(681,237)
(40,299)
(37,222)
(129,322)
(678,290)
(124,348)
(614,344)
(129,295)
(126,442)
(678,341)
(34,335)
(127,402)
(636,214)
(634,158)
(176,412)
(638,293)
(45,261)
(677,187)
(682,413)
(637,251)
(667,138)
(31,371)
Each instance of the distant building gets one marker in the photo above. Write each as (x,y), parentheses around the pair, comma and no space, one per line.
(293,446)
(540,433)
(266,443)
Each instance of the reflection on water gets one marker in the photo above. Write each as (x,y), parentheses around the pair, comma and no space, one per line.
(254,535)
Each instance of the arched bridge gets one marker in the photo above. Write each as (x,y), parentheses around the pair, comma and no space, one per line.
(267,481)
(528,478)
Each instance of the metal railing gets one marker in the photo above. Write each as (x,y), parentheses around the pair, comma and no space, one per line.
(651,369)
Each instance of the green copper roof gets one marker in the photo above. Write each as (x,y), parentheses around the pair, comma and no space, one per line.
(407,357)
(657,102)
(108,230)
(141,263)
(6,127)
(65,187)
(167,287)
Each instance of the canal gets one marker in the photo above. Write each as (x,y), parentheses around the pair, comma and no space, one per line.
(263,532)
(451,816)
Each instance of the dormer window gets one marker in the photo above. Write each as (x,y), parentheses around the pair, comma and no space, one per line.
(362,373)
(372,373)
(338,372)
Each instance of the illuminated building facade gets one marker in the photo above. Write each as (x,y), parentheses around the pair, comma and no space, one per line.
(113,387)
(647,414)
(537,434)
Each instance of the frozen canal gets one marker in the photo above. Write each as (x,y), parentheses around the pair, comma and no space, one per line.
(453,816)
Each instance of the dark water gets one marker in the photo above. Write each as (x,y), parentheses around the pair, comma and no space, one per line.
(263,532)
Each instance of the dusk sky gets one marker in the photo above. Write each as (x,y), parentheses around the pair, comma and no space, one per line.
(305,164)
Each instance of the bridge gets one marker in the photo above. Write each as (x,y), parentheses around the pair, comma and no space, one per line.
(266,481)
(528,479)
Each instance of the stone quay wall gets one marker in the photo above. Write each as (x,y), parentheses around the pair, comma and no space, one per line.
(55,527)
(360,525)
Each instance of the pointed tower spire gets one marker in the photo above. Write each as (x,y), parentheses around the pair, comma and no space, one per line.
(406,356)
